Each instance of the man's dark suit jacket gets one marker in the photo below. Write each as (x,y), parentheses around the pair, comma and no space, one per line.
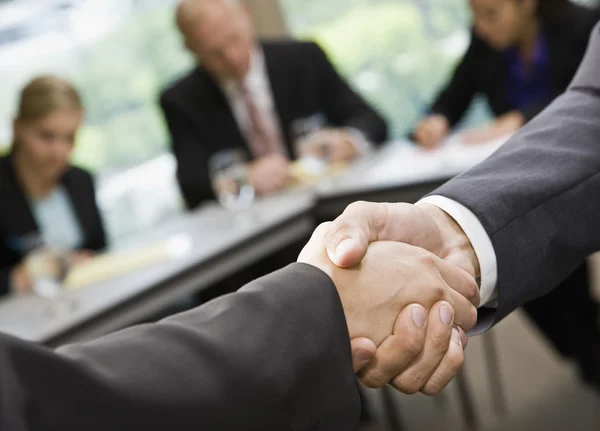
(304,84)
(484,70)
(17,220)
(273,357)
(537,196)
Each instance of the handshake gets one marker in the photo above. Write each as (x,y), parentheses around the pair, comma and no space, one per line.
(406,276)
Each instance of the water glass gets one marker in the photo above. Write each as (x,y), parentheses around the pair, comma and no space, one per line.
(46,269)
(229,174)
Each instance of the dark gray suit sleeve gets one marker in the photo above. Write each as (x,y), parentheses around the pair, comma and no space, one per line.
(538,197)
(274,356)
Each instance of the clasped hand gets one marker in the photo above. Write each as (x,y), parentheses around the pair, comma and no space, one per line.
(405,276)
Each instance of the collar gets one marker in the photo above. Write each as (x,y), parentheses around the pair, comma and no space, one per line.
(540,51)
(255,75)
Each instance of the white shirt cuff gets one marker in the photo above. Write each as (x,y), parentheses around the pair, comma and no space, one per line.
(482,245)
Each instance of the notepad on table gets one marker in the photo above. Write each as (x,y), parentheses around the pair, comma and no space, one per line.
(114,264)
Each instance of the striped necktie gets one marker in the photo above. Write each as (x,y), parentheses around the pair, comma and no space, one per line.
(262,139)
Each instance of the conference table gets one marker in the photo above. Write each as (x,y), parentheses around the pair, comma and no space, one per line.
(399,172)
(206,246)
(196,250)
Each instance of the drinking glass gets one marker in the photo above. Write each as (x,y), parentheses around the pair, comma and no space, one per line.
(229,171)
(47,267)
(311,147)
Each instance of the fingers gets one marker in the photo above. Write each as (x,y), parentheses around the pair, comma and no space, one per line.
(431,131)
(414,351)
(363,351)
(19,279)
(464,339)
(78,258)
(465,314)
(423,132)
(351,233)
(439,125)
(479,135)
(398,350)
(437,343)
(364,222)
(343,148)
(278,172)
(270,173)
(507,124)
(425,135)
(464,293)
(448,368)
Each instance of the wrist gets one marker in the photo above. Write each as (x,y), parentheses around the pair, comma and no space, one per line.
(456,245)
(345,297)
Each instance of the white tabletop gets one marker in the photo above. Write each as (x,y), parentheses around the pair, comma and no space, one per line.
(210,232)
(402,163)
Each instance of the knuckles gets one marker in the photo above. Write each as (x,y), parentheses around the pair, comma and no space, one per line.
(374,379)
(408,383)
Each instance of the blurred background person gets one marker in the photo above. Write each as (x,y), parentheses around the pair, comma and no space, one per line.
(45,199)
(263,97)
(523,53)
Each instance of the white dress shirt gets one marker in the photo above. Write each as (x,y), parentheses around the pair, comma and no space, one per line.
(259,87)
(57,220)
(482,245)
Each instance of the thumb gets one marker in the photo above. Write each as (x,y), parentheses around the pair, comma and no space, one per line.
(349,236)
(316,243)
(363,350)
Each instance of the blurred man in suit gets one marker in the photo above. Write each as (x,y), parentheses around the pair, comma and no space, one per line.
(259,96)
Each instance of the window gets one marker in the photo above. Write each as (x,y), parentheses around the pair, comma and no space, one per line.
(395,52)
(119,53)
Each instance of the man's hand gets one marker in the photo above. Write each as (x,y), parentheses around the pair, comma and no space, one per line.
(431,130)
(79,257)
(425,226)
(19,279)
(333,145)
(504,125)
(387,298)
(422,225)
(270,173)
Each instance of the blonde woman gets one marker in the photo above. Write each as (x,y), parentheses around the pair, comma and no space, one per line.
(42,197)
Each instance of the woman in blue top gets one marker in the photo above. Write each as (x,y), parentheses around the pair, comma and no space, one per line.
(524,53)
(42,197)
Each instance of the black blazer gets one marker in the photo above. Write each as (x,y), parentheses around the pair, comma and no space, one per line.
(304,83)
(484,70)
(17,220)
(274,356)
